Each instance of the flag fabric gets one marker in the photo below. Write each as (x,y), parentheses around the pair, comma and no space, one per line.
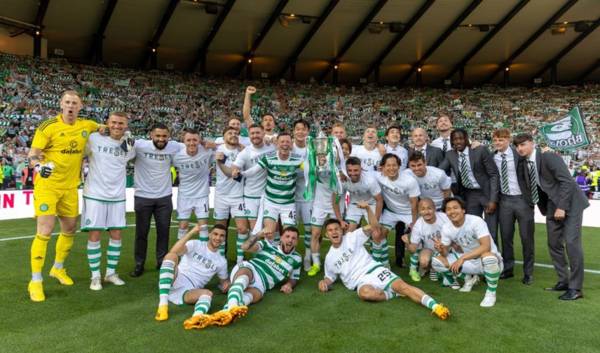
(567,133)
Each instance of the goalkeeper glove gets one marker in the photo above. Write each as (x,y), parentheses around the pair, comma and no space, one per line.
(44,170)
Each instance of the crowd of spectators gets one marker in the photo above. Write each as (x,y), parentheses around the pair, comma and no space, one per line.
(30,90)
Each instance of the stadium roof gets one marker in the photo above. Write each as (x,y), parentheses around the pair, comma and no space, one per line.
(392,41)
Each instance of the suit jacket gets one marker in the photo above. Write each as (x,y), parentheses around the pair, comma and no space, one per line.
(434,156)
(483,167)
(557,187)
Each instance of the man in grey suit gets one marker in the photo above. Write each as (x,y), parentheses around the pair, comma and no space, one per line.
(513,206)
(551,187)
(433,155)
(477,178)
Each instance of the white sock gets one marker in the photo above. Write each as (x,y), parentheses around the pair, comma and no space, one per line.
(248,298)
(181,232)
(203,235)
(316,258)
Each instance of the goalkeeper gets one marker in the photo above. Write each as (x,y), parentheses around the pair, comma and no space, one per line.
(56,153)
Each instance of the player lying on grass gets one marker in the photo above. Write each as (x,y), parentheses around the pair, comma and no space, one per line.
(348,258)
(422,236)
(182,281)
(467,250)
(250,280)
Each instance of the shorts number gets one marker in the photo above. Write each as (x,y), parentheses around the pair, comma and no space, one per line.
(384,275)
(292,214)
(205,208)
(241,207)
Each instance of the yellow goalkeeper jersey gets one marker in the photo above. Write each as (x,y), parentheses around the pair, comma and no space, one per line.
(64,145)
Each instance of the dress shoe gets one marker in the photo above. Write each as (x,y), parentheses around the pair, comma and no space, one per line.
(527,280)
(506,275)
(138,271)
(571,294)
(558,287)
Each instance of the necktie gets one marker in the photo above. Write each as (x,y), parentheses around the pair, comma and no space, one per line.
(535,197)
(444,145)
(464,171)
(504,175)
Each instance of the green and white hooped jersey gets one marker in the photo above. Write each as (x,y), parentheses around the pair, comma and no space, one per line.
(274,266)
(107,173)
(281,177)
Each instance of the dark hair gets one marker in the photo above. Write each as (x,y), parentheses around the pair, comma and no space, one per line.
(416,156)
(267,114)
(161,126)
(459,131)
(303,122)
(453,198)
(227,128)
(353,161)
(442,114)
(283,133)
(388,156)
(189,130)
(290,229)
(331,221)
(255,126)
(347,142)
(520,138)
(221,227)
(233,118)
(387,131)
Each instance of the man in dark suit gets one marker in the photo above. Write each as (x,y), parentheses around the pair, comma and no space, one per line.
(550,186)
(433,155)
(513,206)
(476,176)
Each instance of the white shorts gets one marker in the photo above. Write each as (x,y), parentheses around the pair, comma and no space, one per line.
(185,207)
(225,206)
(354,214)
(379,277)
(252,206)
(472,267)
(180,286)
(319,216)
(389,219)
(256,279)
(102,215)
(287,213)
(304,211)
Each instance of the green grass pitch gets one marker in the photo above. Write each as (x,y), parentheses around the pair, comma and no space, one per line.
(121,319)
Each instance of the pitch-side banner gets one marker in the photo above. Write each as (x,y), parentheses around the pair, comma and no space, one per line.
(567,133)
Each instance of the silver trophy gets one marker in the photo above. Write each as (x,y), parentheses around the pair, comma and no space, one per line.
(321,150)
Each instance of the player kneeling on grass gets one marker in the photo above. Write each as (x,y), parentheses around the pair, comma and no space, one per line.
(251,279)
(348,258)
(467,250)
(422,239)
(182,281)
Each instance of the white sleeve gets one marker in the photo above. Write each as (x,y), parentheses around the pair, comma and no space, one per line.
(481,228)
(446,239)
(374,187)
(329,270)
(222,271)
(358,237)
(240,161)
(445,181)
(190,245)
(413,187)
(416,236)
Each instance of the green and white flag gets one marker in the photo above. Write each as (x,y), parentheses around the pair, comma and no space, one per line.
(567,133)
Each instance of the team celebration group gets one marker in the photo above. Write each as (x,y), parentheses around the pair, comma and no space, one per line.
(452,202)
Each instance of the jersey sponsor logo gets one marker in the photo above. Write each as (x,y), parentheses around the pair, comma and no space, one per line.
(204,261)
(157,156)
(395,190)
(72,148)
(115,151)
(345,257)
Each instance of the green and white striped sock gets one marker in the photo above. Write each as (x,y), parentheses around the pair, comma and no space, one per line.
(203,235)
(241,238)
(94,255)
(491,271)
(202,305)
(113,253)
(235,295)
(414,260)
(166,275)
(428,302)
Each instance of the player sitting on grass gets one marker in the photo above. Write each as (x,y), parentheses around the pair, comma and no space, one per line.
(183,281)
(423,234)
(251,279)
(348,258)
(477,254)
